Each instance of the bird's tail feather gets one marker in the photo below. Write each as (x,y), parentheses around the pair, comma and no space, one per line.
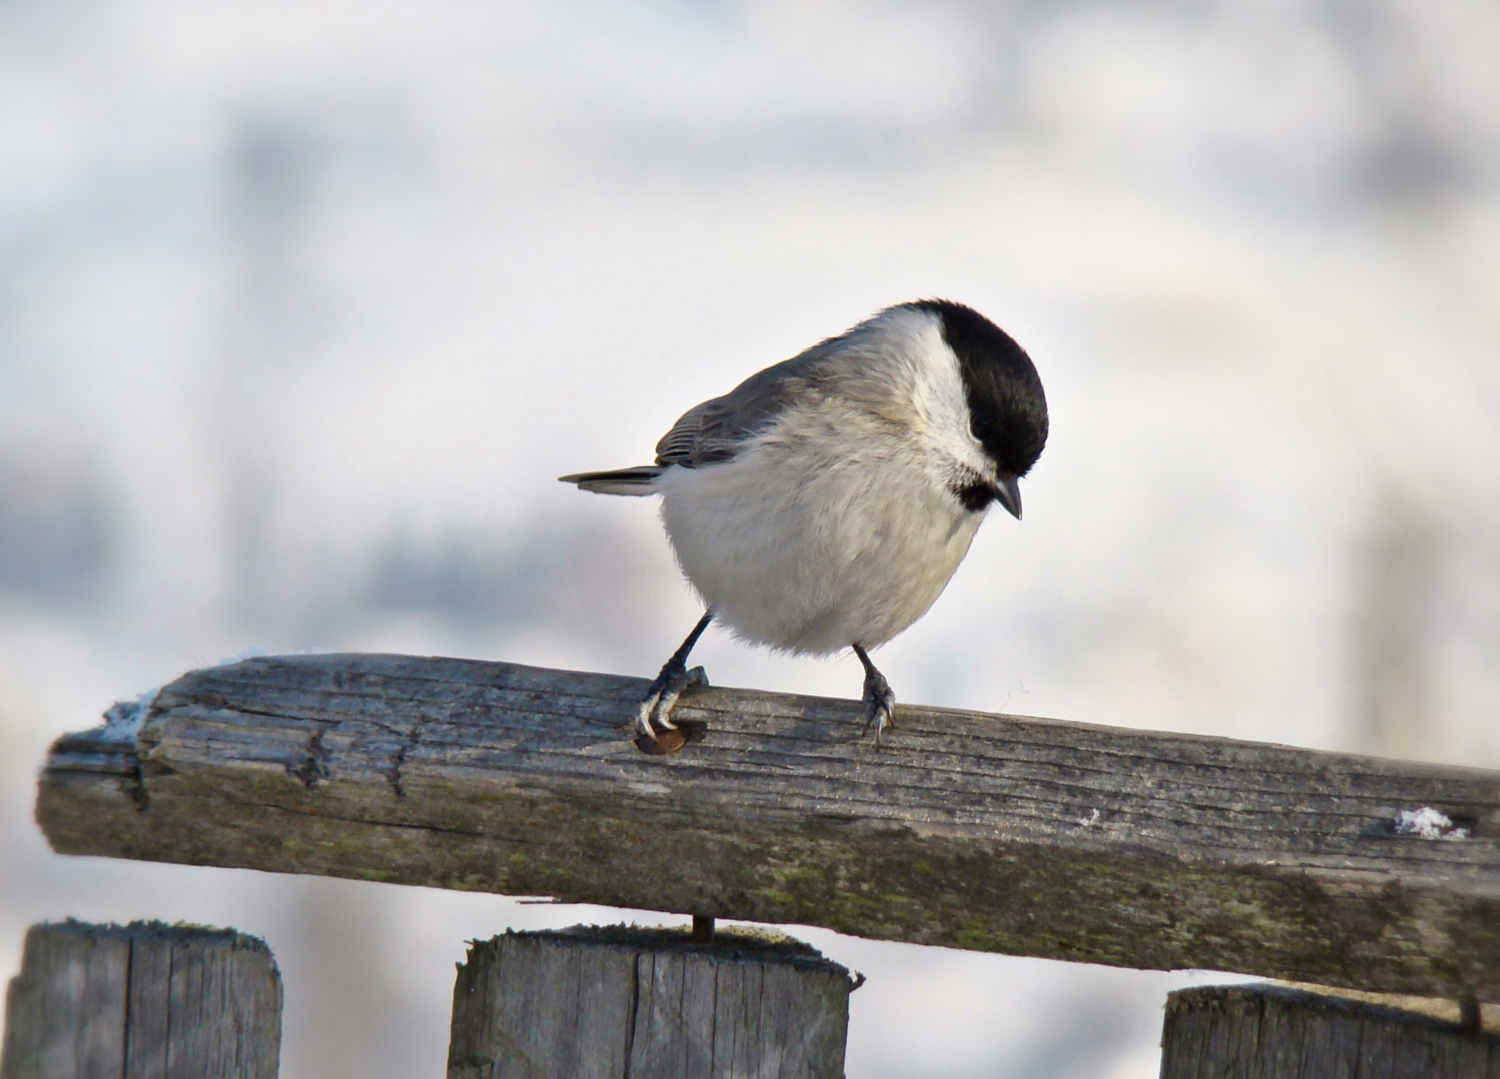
(640,480)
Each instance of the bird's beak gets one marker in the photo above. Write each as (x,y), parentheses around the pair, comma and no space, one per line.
(1008,494)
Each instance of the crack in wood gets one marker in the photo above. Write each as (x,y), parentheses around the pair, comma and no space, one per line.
(400,758)
(373,822)
(314,767)
(134,786)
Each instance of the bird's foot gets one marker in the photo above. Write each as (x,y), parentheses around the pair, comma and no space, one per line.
(880,704)
(653,719)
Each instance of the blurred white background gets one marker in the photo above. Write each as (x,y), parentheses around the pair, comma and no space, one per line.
(303,306)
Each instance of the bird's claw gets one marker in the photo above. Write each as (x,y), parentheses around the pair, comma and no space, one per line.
(655,712)
(880,704)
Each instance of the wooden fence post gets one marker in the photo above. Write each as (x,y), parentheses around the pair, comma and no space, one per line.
(1273,1032)
(142,1000)
(616,1001)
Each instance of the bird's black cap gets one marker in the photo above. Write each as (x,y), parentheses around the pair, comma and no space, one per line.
(1007,408)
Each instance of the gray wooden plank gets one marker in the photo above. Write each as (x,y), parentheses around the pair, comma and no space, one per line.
(65,1011)
(1275,1032)
(533,1006)
(616,1001)
(997,833)
(143,1001)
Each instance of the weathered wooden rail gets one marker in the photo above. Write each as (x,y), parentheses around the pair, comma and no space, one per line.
(994,833)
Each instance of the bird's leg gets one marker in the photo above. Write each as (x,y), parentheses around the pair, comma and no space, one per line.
(880,702)
(656,710)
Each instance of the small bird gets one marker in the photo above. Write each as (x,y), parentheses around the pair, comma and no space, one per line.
(825,501)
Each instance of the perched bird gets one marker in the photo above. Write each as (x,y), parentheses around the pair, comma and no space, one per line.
(825,502)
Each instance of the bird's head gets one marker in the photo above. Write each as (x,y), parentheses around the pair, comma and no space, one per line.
(1007,407)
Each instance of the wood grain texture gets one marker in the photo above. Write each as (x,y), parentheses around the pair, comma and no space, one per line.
(994,833)
(1270,1032)
(617,1002)
(143,1000)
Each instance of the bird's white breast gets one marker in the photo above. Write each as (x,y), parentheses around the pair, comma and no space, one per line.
(835,525)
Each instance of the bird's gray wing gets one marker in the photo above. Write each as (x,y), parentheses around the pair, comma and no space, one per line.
(716,430)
